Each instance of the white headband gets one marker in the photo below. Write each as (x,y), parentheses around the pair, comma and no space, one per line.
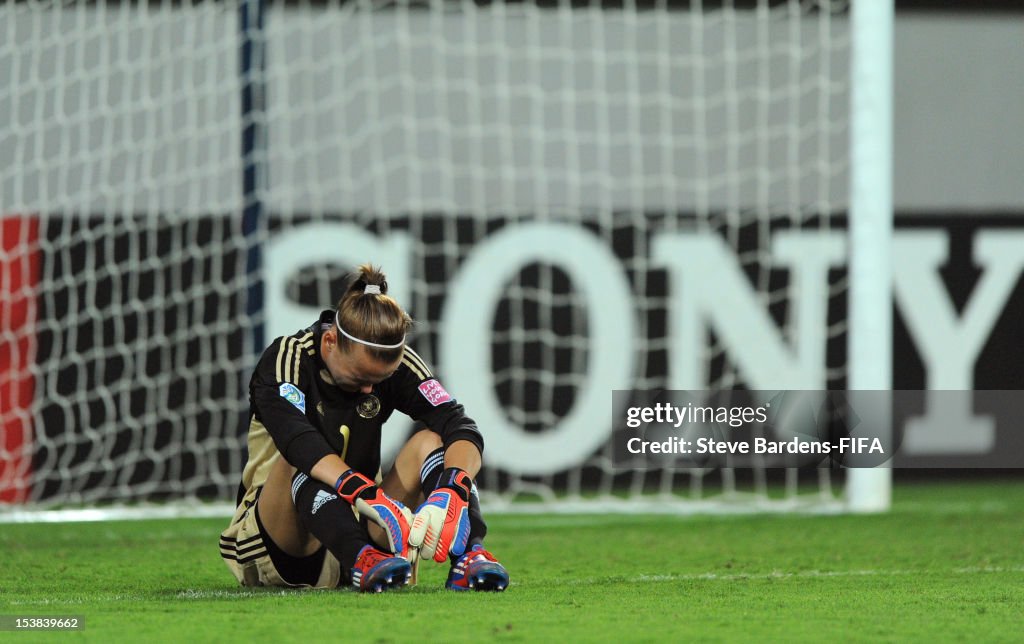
(337,321)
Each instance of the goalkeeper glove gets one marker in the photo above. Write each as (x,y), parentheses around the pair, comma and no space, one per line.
(380,508)
(441,524)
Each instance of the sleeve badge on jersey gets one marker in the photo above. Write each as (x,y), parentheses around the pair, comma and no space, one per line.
(434,392)
(294,395)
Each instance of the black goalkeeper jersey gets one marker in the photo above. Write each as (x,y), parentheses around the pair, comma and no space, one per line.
(297,411)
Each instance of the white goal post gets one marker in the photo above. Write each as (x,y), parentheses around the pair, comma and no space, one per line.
(871,225)
(570,196)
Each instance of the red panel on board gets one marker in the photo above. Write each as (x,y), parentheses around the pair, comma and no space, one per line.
(19,274)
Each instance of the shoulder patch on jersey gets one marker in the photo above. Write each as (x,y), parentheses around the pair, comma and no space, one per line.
(434,392)
(294,395)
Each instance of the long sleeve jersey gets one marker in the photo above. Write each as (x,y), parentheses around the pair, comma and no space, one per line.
(297,411)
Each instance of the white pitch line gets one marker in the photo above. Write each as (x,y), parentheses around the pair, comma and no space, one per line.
(192,594)
(79,600)
(970,570)
(778,574)
(236,594)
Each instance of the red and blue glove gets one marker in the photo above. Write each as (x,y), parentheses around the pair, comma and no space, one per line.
(441,524)
(380,508)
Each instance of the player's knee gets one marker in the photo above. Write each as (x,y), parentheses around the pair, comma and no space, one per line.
(404,481)
(423,443)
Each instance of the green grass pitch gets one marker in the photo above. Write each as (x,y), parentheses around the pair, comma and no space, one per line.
(945,564)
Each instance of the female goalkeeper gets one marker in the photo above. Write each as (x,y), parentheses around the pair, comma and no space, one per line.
(309,510)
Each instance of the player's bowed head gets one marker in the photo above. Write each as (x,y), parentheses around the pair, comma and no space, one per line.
(367,341)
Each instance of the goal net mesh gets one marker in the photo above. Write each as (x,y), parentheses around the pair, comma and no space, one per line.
(162,161)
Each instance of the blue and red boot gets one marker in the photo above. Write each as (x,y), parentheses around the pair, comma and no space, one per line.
(376,571)
(477,570)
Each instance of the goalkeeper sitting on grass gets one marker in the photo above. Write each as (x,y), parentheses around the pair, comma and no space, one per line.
(309,510)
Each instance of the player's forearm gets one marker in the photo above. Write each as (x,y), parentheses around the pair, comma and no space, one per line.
(463,455)
(328,469)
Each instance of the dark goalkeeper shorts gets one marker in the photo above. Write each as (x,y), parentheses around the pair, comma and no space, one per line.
(255,560)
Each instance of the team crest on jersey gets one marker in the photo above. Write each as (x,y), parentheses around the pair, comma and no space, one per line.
(294,395)
(434,392)
(368,407)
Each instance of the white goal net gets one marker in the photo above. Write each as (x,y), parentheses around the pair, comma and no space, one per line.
(570,197)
